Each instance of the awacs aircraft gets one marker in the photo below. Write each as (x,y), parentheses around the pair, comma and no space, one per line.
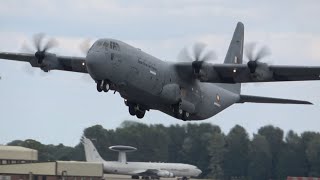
(137,169)
(191,90)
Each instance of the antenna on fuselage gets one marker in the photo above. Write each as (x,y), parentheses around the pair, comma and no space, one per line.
(122,157)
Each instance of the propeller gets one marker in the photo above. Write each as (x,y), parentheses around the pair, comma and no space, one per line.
(199,56)
(40,47)
(255,58)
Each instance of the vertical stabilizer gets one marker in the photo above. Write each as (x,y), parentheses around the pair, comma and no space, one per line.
(235,51)
(91,152)
(235,54)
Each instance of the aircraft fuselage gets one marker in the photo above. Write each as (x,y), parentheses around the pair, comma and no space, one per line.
(152,83)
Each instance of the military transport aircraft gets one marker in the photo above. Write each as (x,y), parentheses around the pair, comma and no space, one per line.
(193,89)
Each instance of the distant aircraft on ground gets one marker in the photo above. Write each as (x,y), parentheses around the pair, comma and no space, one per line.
(191,90)
(136,169)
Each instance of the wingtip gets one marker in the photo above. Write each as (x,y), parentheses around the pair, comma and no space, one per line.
(307,103)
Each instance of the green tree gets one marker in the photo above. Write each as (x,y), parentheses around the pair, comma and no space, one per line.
(195,145)
(216,148)
(260,159)
(292,157)
(313,155)
(274,136)
(236,156)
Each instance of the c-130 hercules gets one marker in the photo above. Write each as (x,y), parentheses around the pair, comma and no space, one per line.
(191,90)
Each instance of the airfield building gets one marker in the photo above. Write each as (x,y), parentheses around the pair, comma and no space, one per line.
(19,163)
(17,155)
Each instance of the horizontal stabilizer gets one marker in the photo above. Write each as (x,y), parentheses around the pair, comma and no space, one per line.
(260,99)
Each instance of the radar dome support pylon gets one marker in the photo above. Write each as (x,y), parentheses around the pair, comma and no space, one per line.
(122,157)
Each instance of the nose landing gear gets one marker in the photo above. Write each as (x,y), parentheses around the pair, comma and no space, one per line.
(103,85)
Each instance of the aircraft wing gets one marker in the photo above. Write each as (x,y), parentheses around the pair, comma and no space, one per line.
(240,73)
(50,62)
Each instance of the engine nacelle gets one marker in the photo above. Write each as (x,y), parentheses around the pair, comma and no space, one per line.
(171,93)
(262,73)
(207,73)
(165,174)
(50,62)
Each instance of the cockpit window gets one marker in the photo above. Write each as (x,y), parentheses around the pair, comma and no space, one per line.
(115,46)
(106,44)
(99,43)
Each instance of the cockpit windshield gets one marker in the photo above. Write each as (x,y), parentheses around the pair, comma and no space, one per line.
(115,46)
(107,45)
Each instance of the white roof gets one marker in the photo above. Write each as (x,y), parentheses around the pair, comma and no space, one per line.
(58,168)
(15,148)
(18,153)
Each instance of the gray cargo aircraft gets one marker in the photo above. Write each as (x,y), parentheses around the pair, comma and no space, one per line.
(193,89)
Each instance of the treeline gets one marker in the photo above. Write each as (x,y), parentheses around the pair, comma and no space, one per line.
(269,154)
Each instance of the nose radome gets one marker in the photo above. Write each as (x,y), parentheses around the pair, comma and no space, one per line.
(94,65)
(92,60)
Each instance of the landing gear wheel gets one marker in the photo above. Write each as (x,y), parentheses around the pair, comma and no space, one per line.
(99,88)
(175,110)
(140,113)
(185,115)
(132,110)
(105,85)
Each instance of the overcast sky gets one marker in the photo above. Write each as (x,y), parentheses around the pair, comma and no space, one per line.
(56,107)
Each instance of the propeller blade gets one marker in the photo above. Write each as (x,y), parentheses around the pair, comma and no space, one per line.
(249,51)
(260,54)
(211,55)
(255,58)
(184,55)
(50,44)
(37,40)
(198,56)
(197,50)
(264,52)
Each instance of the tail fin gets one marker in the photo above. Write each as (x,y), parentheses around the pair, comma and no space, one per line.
(91,152)
(235,54)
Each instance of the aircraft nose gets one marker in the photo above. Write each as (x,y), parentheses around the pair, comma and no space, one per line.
(94,65)
(198,171)
(92,61)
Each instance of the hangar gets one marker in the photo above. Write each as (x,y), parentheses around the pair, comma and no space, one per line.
(19,163)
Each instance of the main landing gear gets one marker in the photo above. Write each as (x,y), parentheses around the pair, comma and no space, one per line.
(103,85)
(179,113)
(136,109)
